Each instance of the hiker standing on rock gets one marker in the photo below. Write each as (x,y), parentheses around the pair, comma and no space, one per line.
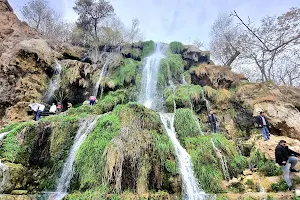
(264,125)
(284,157)
(212,119)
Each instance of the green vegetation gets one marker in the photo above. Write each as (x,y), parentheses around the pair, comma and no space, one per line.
(281,186)
(106,104)
(14,148)
(89,161)
(176,47)
(185,124)
(218,96)
(184,96)
(148,48)
(64,129)
(170,67)
(265,166)
(206,164)
(97,193)
(237,187)
(123,75)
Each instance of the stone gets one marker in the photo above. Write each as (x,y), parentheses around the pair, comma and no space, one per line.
(233,180)
(19,192)
(247,172)
(297,193)
(194,56)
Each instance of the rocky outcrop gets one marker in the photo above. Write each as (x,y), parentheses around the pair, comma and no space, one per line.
(280,104)
(194,56)
(215,76)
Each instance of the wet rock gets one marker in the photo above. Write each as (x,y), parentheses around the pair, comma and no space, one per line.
(194,56)
(19,192)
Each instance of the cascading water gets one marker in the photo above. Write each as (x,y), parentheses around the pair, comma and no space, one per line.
(3,135)
(54,82)
(183,81)
(149,92)
(222,160)
(191,190)
(86,126)
(208,107)
(106,58)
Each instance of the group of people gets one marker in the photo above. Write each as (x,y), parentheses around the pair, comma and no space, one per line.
(54,109)
(285,157)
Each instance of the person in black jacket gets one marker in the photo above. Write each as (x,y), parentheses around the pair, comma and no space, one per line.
(212,119)
(284,157)
(264,125)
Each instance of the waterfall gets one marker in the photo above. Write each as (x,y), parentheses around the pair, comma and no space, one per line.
(2,135)
(206,101)
(191,190)
(86,126)
(222,160)
(4,173)
(106,58)
(148,95)
(183,81)
(54,82)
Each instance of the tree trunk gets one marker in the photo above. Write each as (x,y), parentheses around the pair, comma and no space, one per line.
(232,58)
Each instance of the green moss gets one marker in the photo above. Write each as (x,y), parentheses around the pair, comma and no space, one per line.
(176,47)
(237,187)
(185,124)
(89,161)
(14,150)
(170,67)
(61,140)
(124,75)
(206,164)
(184,96)
(97,193)
(148,48)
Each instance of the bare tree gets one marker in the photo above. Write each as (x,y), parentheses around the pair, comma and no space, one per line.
(134,34)
(225,39)
(264,45)
(197,43)
(36,13)
(91,12)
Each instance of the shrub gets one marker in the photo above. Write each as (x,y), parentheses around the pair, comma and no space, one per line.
(176,47)
(148,48)
(237,187)
(281,186)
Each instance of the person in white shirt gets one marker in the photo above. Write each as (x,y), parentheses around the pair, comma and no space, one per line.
(53,108)
(39,112)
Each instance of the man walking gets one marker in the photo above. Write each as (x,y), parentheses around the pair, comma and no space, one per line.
(264,125)
(213,121)
(284,157)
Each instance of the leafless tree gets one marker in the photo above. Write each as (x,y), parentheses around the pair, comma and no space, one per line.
(197,43)
(225,39)
(134,34)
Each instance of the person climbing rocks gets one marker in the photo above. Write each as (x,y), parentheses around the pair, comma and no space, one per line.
(39,112)
(264,125)
(59,107)
(92,100)
(212,119)
(284,157)
(53,108)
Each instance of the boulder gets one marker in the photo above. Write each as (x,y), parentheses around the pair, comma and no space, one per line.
(194,56)
(280,104)
(215,76)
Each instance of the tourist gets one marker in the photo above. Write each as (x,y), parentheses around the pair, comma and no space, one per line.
(284,157)
(53,108)
(264,125)
(59,107)
(39,112)
(212,119)
(92,100)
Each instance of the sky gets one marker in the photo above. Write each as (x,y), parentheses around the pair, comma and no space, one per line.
(178,20)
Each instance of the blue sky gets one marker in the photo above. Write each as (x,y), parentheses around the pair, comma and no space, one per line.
(180,20)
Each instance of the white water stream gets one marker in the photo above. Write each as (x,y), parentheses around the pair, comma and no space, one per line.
(3,135)
(63,183)
(54,82)
(149,95)
(191,189)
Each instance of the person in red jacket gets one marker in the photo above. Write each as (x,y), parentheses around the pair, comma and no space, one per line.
(285,157)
